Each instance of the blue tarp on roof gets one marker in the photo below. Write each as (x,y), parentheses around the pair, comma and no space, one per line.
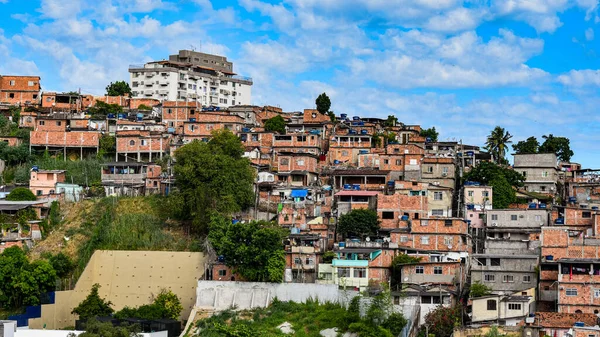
(299,193)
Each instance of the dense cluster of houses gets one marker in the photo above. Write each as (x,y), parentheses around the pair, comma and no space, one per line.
(540,257)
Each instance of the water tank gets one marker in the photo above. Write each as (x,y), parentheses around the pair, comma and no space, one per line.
(579,324)
(122,116)
(549,257)
(245,129)
(192,119)
(428,140)
(343,116)
(404,218)
(560,221)
(295,230)
(356,187)
(315,132)
(363,151)
(595,207)
(171,130)
(364,132)
(355,118)
(347,186)
(336,162)
(532,205)
(572,199)
(470,153)
(542,206)
(351,132)
(111,116)
(35,168)
(342,245)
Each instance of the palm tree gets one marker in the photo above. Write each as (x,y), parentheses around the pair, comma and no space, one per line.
(496,144)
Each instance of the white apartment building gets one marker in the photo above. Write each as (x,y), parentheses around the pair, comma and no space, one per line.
(193,77)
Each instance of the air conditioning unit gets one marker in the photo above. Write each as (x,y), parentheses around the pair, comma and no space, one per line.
(449,246)
(444,174)
(494,224)
(521,216)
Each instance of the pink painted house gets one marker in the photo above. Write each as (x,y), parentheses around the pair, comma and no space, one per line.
(43,182)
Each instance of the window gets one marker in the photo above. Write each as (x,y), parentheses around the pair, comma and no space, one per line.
(470,193)
(11,95)
(448,241)
(513,217)
(386,161)
(491,304)
(538,218)
(300,162)
(404,238)
(42,123)
(494,217)
(437,212)
(222,272)
(545,174)
(398,162)
(571,292)
(489,278)
(437,270)
(143,142)
(430,169)
(344,153)
(419,270)
(586,214)
(12,83)
(343,272)
(495,262)
(58,123)
(425,240)
(360,272)
(481,262)
(444,170)
(448,223)
(132,142)
(527,279)
(38,192)
(508,279)
(35,96)
(284,161)
(387,215)
(437,195)
(514,306)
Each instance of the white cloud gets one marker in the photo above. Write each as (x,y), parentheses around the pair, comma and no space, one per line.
(589,34)
(60,9)
(458,19)
(580,78)
(12,65)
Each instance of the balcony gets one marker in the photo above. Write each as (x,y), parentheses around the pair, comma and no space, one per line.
(428,278)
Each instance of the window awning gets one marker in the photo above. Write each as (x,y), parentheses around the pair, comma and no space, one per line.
(299,193)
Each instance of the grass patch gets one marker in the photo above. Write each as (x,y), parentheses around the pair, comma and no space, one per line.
(307,320)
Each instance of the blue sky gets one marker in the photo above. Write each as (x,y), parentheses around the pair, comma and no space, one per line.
(530,66)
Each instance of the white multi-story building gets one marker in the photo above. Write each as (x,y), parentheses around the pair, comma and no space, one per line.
(191,76)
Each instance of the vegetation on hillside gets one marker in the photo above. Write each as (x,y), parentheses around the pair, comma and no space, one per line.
(275,124)
(307,319)
(21,194)
(118,88)
(165,305)
(212,178)
(430,133)
(93,305)
(496,144)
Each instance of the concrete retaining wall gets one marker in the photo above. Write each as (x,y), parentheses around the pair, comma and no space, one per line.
(220,295)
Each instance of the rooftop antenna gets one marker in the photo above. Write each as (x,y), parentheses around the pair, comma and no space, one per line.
(193,48)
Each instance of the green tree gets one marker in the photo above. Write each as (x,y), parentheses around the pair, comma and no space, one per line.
(496,144)
(275,124)
(479,289)
(21,282)
(212,177)
(171,304)
(21,194)
(442,320)
(254,250)
(93,305)
(107,145)
(100,110)
(501,178)
(93,328)
(118,88)
(62,264)
(529,146)
(14,155)
(359,222)
(144,107)
(430,133)
(323,103)
(391,121)
(395,323)
(558,145)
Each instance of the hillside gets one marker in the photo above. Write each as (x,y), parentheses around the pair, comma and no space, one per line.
(112,224)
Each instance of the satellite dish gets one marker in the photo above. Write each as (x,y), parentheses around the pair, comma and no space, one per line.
(368,239)
(405,279)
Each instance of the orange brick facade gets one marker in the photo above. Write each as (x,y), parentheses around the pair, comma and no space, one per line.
(20,90)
